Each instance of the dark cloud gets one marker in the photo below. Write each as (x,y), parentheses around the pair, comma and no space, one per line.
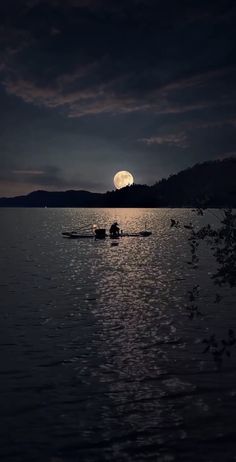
(70,92)
(179,140)
(116,57)
(166,71)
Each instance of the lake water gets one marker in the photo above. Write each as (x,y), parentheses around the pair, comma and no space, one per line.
(99,359)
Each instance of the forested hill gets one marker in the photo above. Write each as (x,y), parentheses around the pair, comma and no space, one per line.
(210,184)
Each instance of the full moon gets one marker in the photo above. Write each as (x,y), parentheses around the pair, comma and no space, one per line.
(122,179)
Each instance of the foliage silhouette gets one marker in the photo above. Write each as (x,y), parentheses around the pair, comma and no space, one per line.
(222,244)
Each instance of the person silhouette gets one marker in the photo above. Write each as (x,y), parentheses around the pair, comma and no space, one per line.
(114,230)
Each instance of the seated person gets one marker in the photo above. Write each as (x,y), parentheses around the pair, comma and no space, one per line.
(114,229)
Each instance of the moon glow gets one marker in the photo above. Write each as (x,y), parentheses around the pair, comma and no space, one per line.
(123,179)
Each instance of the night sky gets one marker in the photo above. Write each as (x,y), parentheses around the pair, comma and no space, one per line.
(89,87)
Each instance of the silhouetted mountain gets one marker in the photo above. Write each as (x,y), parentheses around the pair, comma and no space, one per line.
(210,184)
(54,199)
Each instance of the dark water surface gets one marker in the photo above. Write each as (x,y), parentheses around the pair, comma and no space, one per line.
(99,361)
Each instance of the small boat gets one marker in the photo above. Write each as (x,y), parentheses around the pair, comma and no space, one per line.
(75,235)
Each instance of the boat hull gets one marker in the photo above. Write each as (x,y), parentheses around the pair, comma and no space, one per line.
(74,235)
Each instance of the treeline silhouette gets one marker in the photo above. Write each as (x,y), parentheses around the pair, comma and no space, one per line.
(209,184)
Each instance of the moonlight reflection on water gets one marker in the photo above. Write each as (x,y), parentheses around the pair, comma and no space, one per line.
(98,358)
